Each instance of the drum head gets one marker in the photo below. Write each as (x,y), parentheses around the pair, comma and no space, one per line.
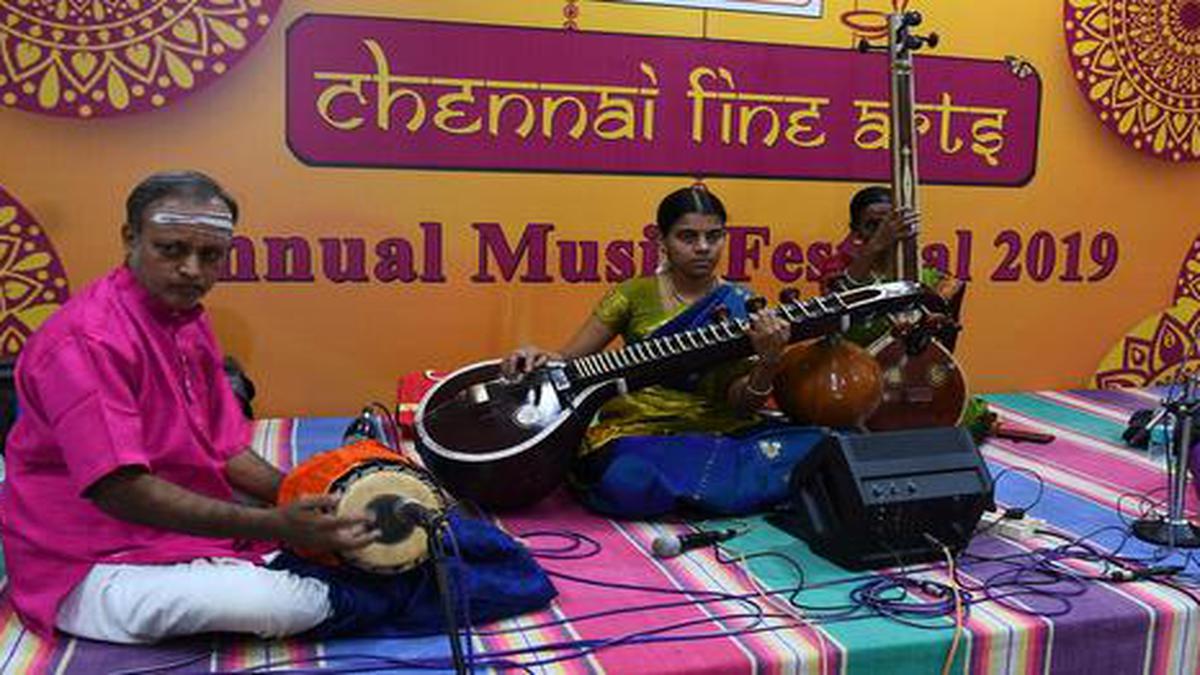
(362,486)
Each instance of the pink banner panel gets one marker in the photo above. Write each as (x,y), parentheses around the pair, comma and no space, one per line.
(397,93)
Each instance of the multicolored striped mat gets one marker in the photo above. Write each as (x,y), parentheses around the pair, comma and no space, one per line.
(1086,475)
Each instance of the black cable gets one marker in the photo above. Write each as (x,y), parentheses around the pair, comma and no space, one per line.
(445,593)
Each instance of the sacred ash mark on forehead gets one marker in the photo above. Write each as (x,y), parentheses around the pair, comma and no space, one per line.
(214,220)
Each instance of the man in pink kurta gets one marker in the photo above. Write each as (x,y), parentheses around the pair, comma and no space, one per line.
(122,465)
(103,386)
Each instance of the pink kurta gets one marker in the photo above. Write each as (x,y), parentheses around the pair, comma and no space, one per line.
(114,379)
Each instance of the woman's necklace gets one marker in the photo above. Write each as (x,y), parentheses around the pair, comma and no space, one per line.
(712,283)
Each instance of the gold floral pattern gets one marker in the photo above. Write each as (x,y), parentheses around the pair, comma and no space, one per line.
(570,14)
(1187,284)
(1138,64)
(93,58)
(1155,350)
(33,283)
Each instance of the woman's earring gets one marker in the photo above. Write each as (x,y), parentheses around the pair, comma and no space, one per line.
(664,263)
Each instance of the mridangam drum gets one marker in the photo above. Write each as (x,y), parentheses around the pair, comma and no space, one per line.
(370,478)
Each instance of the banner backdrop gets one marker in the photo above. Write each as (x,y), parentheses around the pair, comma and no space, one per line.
(427,184)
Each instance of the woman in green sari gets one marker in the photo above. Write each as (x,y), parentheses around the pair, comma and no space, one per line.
(666,430)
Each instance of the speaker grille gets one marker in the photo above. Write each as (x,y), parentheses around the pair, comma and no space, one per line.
(867,501)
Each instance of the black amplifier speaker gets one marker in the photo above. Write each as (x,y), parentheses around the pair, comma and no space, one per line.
(876,500)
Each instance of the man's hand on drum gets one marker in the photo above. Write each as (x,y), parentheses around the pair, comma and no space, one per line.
(310,523)
(524,360)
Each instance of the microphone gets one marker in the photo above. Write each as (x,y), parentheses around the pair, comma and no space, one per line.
(1137,433)
(374,423)
(670,545)
(414,511)
(397,516)
(1145,573)
(1142,424)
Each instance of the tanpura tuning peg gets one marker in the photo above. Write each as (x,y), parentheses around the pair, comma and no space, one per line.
(718,314)
(865,46)
(789,295)
(756,304)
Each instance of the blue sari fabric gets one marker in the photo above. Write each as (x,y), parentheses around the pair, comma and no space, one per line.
(730,296)
(726,474)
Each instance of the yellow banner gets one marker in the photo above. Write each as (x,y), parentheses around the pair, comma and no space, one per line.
(349,277)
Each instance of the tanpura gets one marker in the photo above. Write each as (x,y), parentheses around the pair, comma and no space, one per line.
(923,385)
(919,382)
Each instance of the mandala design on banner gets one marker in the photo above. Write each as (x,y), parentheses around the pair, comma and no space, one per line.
(1154,351)
(1187,284)
(33,283)
(96,58)
(1138,64)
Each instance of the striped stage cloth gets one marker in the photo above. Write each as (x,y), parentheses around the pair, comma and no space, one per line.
(1088,483)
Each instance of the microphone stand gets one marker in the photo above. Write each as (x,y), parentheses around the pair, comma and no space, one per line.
(438,556)
(1175,531)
